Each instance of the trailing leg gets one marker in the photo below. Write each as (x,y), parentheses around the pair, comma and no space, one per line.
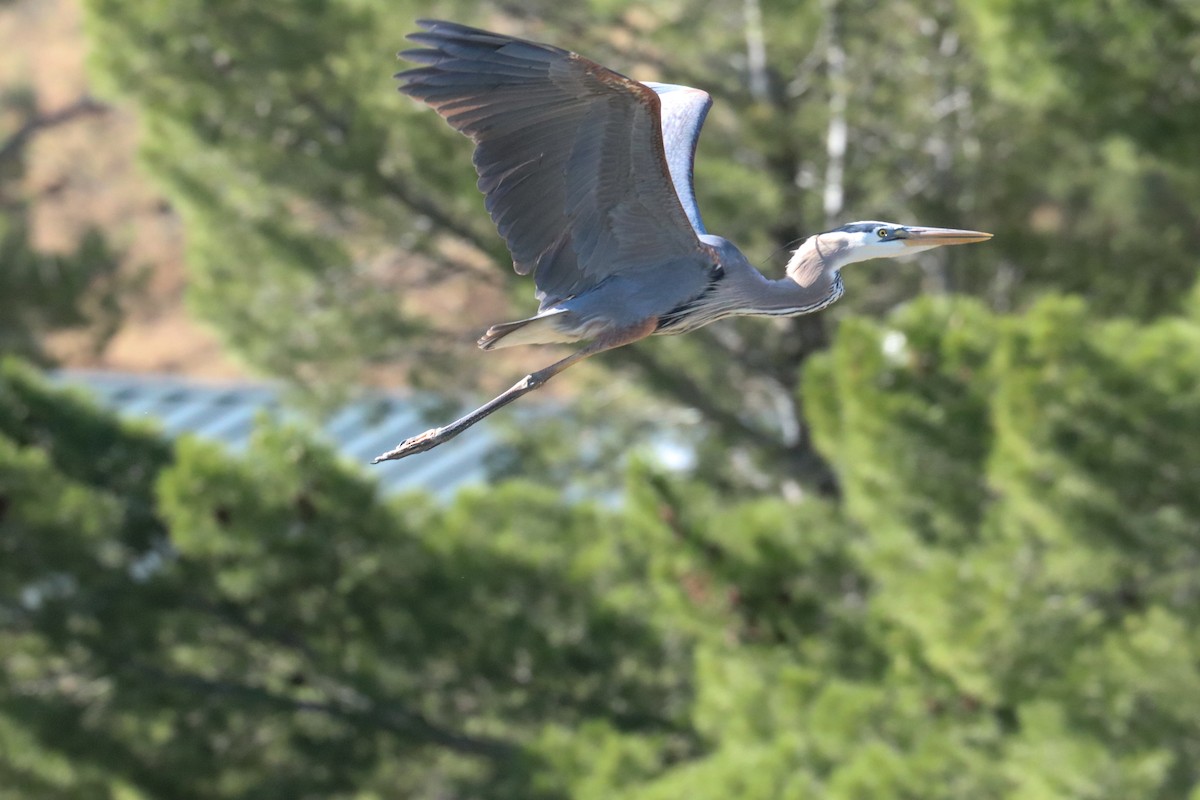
(435,436)
(432,438)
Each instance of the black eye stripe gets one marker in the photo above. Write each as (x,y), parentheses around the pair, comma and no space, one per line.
(870,228)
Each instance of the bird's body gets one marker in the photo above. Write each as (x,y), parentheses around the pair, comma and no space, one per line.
(588,177)
(640,297)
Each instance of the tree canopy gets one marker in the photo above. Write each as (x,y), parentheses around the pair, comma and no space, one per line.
(941,542)
(310,189)
(1004,605)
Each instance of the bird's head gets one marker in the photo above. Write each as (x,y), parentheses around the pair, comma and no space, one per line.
(860,241)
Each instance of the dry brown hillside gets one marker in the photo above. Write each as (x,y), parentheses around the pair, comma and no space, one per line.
(84,173)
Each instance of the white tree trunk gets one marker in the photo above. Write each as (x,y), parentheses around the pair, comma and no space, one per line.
(836,133)
(756,50)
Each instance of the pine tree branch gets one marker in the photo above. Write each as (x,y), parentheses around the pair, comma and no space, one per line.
(393,720)
(395,185)
(18,141)
(803,463)
(425,205)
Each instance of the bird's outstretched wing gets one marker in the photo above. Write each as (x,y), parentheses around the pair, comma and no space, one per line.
(683,110)
(570,156)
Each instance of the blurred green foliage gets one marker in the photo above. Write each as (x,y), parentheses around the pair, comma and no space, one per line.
(312,191)
(42,292)
(950,549)
(1004,604)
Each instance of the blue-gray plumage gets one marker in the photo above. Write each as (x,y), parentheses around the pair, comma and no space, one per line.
(588,177)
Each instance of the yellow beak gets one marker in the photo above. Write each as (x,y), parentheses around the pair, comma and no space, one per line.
(936,237)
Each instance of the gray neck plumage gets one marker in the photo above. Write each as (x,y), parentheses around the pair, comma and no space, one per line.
(741,289)
(810,285)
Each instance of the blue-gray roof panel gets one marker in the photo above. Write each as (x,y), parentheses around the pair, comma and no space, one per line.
(227,413)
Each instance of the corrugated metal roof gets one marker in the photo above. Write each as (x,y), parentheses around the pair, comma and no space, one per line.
(227,413)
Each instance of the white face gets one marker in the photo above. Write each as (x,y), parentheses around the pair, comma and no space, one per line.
(874,240)
(867,240)
(863,246)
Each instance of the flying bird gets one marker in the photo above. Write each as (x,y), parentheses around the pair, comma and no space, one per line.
(588,177)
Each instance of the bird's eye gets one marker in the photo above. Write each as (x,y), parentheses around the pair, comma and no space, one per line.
(882,233)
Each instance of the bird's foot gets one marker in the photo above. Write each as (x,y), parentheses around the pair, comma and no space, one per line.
(413,445)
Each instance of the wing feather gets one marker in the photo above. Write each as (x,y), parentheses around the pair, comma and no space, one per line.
(683,112)
(570,156)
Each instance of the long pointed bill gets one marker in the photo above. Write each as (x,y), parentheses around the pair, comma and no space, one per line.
(936,237)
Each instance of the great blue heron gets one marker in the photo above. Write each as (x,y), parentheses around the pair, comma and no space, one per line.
(588,177)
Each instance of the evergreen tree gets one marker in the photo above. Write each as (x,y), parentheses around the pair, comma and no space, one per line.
(311,191)
(42,292)
(178,623)
(1001,602)
(1003,606)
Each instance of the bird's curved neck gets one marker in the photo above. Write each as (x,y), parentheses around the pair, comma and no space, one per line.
(796,294)
(814,261)
(739,289)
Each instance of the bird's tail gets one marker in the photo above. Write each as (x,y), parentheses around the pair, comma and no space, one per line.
(534,330)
